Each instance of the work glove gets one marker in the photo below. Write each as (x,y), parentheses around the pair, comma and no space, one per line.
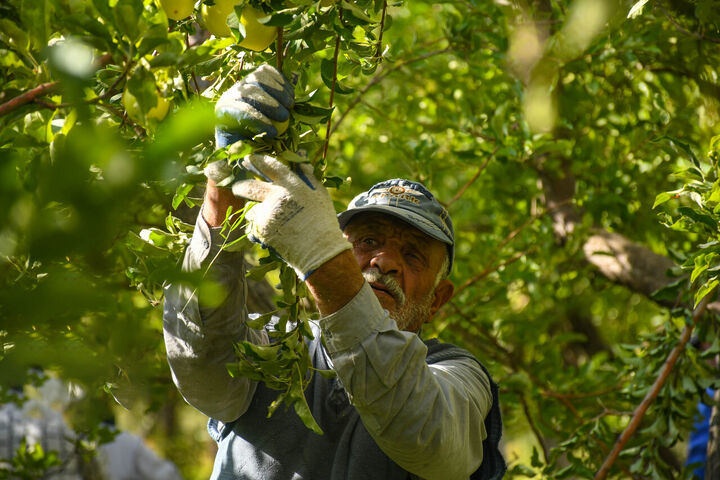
(295,216)
(259,103)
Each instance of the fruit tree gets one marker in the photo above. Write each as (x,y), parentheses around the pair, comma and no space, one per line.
(573,142)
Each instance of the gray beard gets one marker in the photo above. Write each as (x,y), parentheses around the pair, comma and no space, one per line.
(408,315)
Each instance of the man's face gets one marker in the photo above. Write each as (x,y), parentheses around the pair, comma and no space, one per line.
(402,264)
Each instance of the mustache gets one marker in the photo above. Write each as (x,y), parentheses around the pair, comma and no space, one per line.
(374,275)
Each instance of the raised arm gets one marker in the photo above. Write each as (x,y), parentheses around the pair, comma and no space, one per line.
(200,332)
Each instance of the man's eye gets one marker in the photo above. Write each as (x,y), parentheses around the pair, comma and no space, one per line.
(415,257)
(365,243)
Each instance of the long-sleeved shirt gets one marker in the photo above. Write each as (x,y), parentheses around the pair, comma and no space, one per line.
(426,419)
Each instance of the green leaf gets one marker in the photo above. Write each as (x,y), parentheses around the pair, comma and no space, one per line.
(260,322)
(14,36)
(303,410)
(697,271)
(128,14)
(683,146)
(712,350)
(280,18)
(699,217)
(236,26)
(637,9)
(665,196)
(258,352)
(180,193)
(141,85)
(705,289)
(333,182)
(259,272)
(181,131)
(311,114)
(36,20)
(356,11)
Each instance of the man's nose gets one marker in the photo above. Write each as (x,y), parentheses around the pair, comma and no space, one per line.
(387,261)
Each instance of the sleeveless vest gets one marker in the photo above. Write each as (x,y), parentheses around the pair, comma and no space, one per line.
(281,447)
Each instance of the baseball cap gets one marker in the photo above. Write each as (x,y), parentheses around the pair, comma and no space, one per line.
(409,201)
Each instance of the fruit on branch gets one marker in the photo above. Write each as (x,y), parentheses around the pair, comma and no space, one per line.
(258,37)
(177,9)
(155,114)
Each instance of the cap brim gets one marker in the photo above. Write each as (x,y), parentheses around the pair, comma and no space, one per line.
(407,216)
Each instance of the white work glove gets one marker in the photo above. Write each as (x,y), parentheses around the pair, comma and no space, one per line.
(295,216)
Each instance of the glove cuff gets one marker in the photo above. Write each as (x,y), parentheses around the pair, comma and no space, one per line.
(316,257)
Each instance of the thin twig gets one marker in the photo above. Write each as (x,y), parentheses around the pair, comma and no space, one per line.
(472,180)
(379,76)
(328,131)
(192,72)
(577,396)
(378,49)
(377,111)
(108,93)
(533,427)
(650,397)
(279,48)
(508,238)
(490,269)
(138,129)
(687,32)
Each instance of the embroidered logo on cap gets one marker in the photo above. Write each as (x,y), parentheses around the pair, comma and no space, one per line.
(396,193)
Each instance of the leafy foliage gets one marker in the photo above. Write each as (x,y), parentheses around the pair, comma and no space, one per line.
(538,123)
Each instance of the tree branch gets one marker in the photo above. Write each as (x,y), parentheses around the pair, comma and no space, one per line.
(628,263)
(379,76)
(41,90)
(28,97)
(653,393)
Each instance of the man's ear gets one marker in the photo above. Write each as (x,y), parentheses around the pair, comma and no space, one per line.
(442,294)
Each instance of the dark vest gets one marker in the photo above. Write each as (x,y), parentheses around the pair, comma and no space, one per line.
(280,447)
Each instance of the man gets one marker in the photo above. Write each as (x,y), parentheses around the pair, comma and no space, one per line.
(39,421)
(399,408)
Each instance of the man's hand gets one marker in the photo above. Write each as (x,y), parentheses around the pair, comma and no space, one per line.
(259,103)
(295,216)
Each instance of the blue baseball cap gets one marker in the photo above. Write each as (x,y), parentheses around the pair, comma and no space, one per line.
(409,201)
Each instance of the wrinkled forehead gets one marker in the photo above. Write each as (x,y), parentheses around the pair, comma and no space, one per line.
(388,225)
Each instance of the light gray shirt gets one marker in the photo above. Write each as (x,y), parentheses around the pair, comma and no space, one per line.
(426,418)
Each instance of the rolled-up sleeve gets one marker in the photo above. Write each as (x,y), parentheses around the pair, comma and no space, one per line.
(428,418)
(199,337)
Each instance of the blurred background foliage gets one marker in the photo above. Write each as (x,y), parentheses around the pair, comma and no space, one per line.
(550,129)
